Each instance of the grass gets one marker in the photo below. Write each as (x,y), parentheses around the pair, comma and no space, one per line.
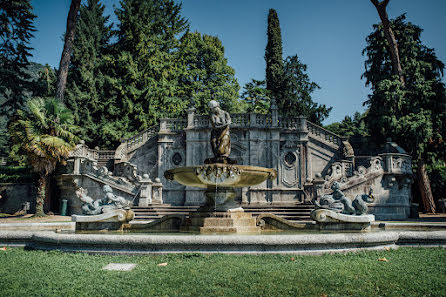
(408,272)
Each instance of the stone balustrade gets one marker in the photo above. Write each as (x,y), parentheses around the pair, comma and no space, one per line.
(194,121)
(293,123)
(323,134)
(139,139)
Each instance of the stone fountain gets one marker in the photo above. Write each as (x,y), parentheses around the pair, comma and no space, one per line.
(220,175)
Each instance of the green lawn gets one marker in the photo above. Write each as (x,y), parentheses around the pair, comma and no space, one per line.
(407,272)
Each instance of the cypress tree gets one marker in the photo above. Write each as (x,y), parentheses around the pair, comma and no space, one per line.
(273,56)
(85,93)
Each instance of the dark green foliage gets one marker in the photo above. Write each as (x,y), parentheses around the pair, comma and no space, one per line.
(437,176)
(87,74)
(413,115)
(408,272)
(16,27)
(45,83)
(358,134)
(143,71)
(15,174)
(155,69)
(45,134)
(256,96)
(416,112)
(287,81)
(296,93)
(273,56)
(206,74)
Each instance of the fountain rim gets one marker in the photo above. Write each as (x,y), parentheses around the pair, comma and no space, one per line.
(239,244)
(242,170)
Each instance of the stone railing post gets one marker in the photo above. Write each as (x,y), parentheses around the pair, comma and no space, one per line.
(303,124)
(157,192)
(145,194)
(252,120)
(190,117)
(318,187)
(163,125)
(274,113)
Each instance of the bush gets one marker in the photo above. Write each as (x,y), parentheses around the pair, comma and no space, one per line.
(15,174)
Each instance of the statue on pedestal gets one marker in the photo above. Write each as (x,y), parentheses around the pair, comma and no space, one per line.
(220,138)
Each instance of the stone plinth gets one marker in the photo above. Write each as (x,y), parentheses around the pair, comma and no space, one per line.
(223,222)
(110,220)
(331,220)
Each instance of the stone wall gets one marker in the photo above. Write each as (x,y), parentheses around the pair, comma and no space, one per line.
(14,195)
(306,156)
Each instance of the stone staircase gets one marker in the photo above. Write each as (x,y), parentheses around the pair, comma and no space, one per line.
(293,212)
(154,212)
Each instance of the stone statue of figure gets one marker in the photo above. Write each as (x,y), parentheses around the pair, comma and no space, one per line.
(339,196)
(89,206)
(220,138)
(338,202)
(112,200)
(109,202)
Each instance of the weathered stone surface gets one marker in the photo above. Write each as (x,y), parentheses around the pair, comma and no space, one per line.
(113,219)
(154,244)
(300,152)
(15,195)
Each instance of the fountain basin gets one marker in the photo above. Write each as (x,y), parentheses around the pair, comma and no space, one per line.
(220,175)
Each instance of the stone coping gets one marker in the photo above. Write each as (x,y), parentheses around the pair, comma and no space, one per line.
(305,243)
(38,226)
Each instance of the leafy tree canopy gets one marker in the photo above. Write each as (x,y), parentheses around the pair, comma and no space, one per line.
(87,74)
(256,96)
(416,111)
(296,93)
(207,76)
(45,133)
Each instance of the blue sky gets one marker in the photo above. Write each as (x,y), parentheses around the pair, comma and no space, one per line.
(327,35)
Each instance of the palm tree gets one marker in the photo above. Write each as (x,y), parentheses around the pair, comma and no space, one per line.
(44,132)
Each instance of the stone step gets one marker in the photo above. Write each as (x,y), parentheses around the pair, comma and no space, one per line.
(290,212)
(229,222)
(209,230)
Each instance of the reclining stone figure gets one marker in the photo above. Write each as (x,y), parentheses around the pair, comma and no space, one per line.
(339,203)
(109,202)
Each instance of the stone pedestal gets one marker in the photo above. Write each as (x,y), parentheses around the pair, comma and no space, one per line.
(223,222)
(220,199)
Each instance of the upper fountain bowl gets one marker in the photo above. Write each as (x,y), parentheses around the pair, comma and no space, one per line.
(220,175)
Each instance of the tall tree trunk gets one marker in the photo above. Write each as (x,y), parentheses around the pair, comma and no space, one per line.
(40,199)
(68,46)
(388,32)
(425,188)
